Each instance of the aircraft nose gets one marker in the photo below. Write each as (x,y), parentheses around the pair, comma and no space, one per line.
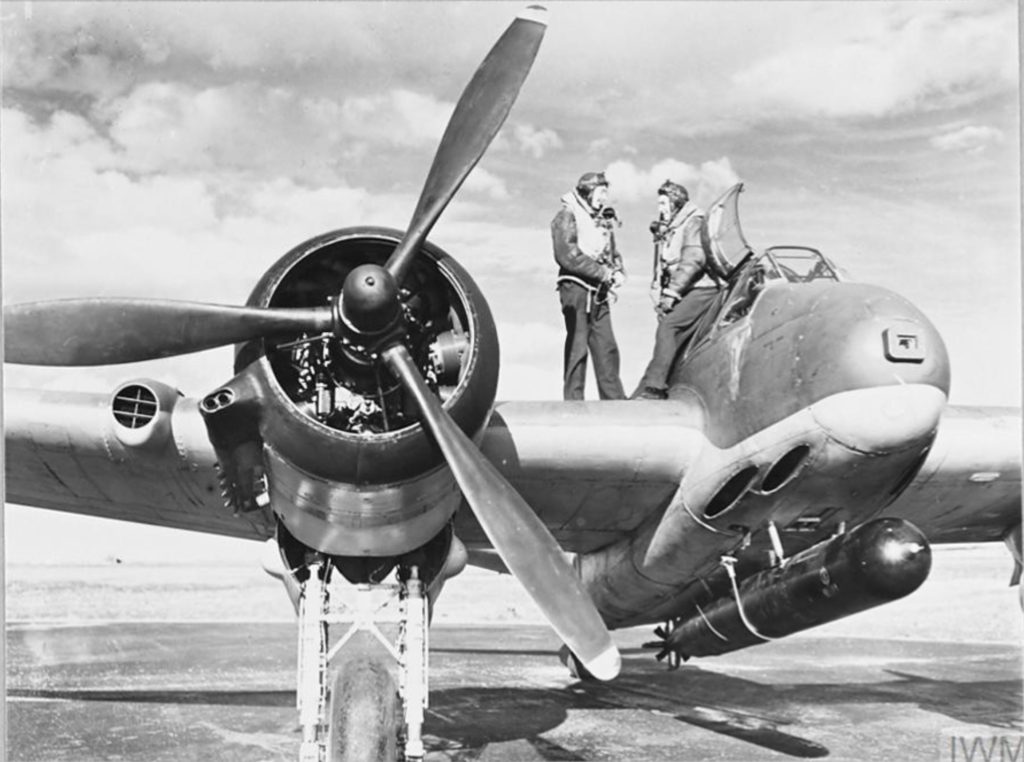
(881,419)
(893,368)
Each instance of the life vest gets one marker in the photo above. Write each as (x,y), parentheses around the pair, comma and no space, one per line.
(687,221)
(592,237)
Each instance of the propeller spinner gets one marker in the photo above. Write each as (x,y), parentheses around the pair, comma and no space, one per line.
(109,331)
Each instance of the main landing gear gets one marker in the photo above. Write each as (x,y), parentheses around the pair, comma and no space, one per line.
(362,666)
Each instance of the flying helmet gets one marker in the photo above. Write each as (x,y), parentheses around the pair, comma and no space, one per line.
(588,182)
(675,193)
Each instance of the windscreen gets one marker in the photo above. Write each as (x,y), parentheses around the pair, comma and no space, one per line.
(797,264)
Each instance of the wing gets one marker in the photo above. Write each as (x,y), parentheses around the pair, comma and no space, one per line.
(592,471)
(969,487)
(130,456)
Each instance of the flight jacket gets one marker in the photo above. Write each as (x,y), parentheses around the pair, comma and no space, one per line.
(589,265)
(684,256)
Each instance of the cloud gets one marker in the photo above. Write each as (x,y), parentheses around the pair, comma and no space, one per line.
(178,150)
(71,204)
(529,340)
(630,183)
(164,126)
(969,139)
(531,352)
(170,126)
(487,183)
(400,117)
(63,200)
(101,49)
(536,141)
(921,62)
(82,56)
(492,249)
(67,53)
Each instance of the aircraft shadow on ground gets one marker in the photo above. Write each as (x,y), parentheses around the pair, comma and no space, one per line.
(474,718)
(736,707)
(767,715)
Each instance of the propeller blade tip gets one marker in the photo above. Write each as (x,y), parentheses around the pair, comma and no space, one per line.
(537,13)
(606,665)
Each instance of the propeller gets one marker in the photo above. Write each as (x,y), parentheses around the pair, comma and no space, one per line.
(103,331)
(477,118)
(523,542)
(110,331)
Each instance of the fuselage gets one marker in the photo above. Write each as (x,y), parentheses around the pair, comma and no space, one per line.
(817,401)
(820,402)
(800,343)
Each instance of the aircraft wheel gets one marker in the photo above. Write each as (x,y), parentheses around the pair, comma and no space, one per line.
(364,713)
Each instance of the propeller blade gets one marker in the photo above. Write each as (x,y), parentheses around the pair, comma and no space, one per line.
(110,331)
(477,118)
(523,542)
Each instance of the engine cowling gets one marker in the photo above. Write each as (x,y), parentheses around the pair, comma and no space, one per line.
(313,427)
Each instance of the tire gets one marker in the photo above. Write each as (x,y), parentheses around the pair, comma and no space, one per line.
(363,707)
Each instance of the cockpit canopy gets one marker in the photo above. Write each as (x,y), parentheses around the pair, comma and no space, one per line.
(797,264)
(750,273)
(727,245)
(777,264)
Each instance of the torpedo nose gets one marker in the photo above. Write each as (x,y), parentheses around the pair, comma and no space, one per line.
(893,365)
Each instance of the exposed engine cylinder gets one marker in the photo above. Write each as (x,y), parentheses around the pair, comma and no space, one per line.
(315,429)
(873,564)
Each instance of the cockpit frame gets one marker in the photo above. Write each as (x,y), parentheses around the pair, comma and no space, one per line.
(776,264)
(786,262)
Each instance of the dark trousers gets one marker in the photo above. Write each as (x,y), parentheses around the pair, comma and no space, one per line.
(588,326)
(674,332)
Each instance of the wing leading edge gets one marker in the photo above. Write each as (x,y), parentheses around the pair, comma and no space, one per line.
(67,451)
(969,487)
(593,472)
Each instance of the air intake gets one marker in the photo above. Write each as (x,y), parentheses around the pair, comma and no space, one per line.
(134,406)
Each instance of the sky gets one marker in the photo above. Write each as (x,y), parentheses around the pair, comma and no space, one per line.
(177,150)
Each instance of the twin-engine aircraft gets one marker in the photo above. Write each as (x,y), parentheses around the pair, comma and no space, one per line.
(800,471)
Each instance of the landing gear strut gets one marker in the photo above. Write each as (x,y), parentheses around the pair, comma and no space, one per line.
(376,667)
